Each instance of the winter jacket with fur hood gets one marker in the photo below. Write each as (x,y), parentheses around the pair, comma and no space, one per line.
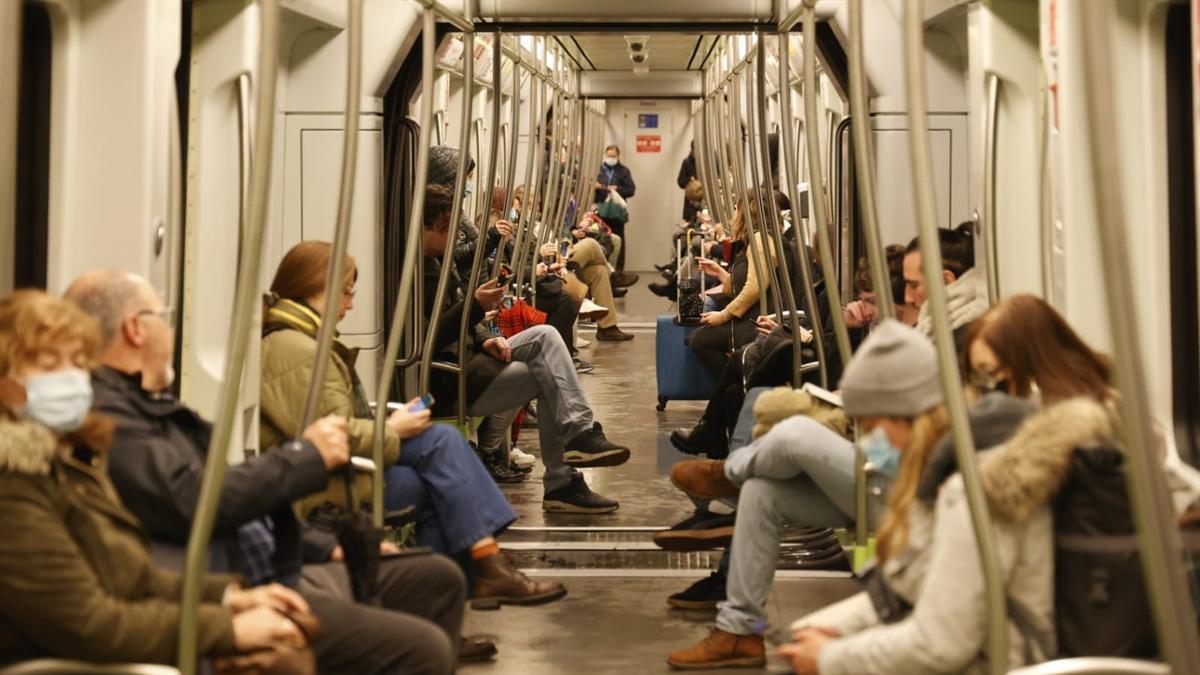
(946,631)
(76,579)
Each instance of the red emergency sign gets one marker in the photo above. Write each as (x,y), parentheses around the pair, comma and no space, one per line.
(648,143)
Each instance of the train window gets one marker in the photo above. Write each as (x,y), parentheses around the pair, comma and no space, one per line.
(33,150)
(1181,186)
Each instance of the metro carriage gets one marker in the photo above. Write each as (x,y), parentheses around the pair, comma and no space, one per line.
(194,143)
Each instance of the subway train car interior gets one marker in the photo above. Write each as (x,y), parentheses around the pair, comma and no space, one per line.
(551,336)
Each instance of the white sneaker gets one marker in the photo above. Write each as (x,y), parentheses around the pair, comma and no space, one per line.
(590,310)
(580,343)
(520,458)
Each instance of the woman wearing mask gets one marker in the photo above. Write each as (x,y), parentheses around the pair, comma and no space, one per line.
(1023,348)
(614,177)
(76,580)
(459,508)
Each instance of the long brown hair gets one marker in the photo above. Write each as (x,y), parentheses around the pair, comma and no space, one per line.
(31,322)
(301,273)
(927,429)
(1037,345)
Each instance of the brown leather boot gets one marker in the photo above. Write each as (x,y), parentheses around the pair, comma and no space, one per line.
(498,583)
(703,478)
(612,334)
(720,650)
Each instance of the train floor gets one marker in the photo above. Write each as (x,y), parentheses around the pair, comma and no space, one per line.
(615,618)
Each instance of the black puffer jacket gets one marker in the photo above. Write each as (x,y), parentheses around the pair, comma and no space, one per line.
(443,170)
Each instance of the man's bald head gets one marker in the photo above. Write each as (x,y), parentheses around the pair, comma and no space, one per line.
(109,297)
(134,325)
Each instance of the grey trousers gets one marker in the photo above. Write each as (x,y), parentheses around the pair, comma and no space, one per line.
(415,631)
(541,368)
(800,472)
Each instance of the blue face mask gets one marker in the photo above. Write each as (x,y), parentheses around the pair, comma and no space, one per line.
(881,455)
(610,161)
(59,400)
(468,188)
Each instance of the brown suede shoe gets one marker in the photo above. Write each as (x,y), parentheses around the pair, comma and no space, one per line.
(475,650)
(498,583)
(612,334)
(720,650)
(703,478)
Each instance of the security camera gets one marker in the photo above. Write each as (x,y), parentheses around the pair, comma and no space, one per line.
(639,57)
(637,42)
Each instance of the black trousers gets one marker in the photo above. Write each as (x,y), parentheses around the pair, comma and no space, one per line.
(561,311)
(714,344)
(415,631)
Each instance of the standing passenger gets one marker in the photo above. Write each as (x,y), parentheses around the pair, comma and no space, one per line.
(615,177)
(687,174)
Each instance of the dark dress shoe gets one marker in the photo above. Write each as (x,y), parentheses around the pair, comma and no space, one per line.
(700,440)
(620,292)
(612,334)
(669,290)
(475,650)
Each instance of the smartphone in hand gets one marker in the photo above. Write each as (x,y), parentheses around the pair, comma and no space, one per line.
(423,403)
(502,277)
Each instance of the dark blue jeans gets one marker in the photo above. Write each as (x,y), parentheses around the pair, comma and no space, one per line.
(457,502)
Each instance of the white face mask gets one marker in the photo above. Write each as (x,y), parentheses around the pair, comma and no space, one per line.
(468,188)
(610,161)
(59,400)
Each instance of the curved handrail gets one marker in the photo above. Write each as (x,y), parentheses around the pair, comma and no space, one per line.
(10,71)
(510,168)
(1094,665)
(1045,213)
(864,157)
(480,243)
(990,124)
(816,182)
(737,134)
(464,140)
(931,260)
(1158,539)
(788,293)
(802,259)
(237,342)
(522,225)
(767,260)
(412,252)
(341,238)
(538,97)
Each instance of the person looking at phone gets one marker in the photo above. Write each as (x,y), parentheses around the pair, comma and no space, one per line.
(587,259)
(459,508)
(504,374)
(157,467)
(732,327)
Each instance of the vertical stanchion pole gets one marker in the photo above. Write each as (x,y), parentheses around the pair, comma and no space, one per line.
(237,344)
(931,262)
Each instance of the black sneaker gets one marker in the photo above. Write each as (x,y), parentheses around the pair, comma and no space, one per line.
(501,470)
(704,594)
(704,530)
(592,449)
(577,497)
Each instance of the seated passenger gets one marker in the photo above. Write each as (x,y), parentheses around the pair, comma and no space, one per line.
(1021,347)
(587,259)
(966,285)
(157,466)
(459,508)
(505,374)
(76,579)
(733,327)
(443,170)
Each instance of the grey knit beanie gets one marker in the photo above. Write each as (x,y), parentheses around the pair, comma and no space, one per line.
(894,373)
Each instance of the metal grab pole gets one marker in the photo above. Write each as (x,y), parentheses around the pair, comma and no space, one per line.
(763,193)
(460,180)
(10,70)
(520,243)
(788,294)
(412,251)
(992,262)
(864,158)
(480,243)
(539,93)
(1158,538)
(803,261)
(510,169)
(931,261)
(237,343)
(334,278)
(816,182)
(737,133)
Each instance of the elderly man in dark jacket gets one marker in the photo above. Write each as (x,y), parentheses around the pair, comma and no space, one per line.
(157,465)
